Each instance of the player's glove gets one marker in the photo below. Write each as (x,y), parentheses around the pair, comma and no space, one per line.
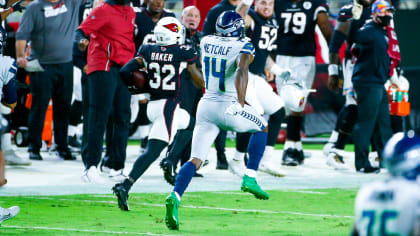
(284,74)
(17,7)
(234,109)
(357,10)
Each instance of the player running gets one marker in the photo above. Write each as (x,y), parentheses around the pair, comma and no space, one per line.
(165,62)
(225,60)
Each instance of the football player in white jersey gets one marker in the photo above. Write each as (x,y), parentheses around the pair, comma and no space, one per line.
(392,206)
(225,60)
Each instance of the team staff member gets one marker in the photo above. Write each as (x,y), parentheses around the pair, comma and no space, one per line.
(50,26)
(110,27)
(370,73)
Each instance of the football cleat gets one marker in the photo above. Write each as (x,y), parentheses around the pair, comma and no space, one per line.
(171,213)
(12,159)
(117,175)
(237,167)
(335,160)
(327,148)
(168,171)
(91,175)
(122,195)
(7,213)
(250,185)
(268,164)
(290,157)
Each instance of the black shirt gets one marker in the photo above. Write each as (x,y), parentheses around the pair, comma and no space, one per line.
(165,68)
(209,26)
(345,15)
(263,34)
(373,62)
(145,25)
(297,21)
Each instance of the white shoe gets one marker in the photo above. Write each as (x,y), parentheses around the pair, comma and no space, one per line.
(237,167)
(374,159)
(335,160)
(7,213)
(327,148)
(117,175)
(270,168)
(12,159)
(92,176)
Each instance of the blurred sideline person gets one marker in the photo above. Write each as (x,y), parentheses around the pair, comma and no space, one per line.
(165,63)
(223,107)
(261,27)
(8,72)
(375,50)
(350,19)
(50,27)
(392,206)
(8,69)
(111,45)
(180,149)
(296,49)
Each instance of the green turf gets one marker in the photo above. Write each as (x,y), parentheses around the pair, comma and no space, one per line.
(147,214)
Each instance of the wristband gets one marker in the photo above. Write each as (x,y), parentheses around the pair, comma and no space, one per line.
(332,69)
(247,2)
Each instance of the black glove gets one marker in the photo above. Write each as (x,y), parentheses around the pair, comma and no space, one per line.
(17,7)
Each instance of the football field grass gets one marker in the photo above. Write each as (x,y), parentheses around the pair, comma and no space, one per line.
(294,212)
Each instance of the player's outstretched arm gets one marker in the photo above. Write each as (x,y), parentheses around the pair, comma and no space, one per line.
(325,25)
(242,9)
(241,81)
(196,75)
(337,40)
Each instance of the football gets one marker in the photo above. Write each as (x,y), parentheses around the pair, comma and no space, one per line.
(140,81)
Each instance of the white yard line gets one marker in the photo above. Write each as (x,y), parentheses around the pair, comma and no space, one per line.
(77,230)
(206,207)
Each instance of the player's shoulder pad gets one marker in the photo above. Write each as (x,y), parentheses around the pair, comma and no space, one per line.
(138,9)
(345,13)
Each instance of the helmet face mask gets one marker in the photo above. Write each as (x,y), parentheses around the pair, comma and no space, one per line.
(230,24)
(402,155)
(169,31)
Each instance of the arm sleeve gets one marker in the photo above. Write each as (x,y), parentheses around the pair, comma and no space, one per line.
(191,56)
(96,19)
(248,48)
(345,13)
(26,25)
(9,92)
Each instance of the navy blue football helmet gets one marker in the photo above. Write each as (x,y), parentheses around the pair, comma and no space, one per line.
(402,155)
(230,24)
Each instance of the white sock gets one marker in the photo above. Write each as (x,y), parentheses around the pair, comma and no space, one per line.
(289,144)
(6,142)
(177,196)
(72,130)
(298,145)
(251,173)
(238,156)
(333,137)
(268,149)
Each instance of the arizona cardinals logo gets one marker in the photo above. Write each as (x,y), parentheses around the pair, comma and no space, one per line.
(301,101)
(172,27)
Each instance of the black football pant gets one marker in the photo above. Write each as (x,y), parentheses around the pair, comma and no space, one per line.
(56,82)
(107,93)
(373,123)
